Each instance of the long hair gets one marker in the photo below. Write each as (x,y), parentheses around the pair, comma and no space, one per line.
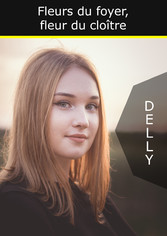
(30,156)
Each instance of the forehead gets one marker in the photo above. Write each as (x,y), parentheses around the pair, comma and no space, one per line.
(76,80)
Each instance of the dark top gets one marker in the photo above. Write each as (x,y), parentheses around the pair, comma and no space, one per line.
(23,214)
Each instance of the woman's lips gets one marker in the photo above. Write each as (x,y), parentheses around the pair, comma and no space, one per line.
(79,138)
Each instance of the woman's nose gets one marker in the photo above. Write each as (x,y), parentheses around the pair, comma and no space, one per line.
(80,119)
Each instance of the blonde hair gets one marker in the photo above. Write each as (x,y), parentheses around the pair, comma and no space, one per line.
(30,156)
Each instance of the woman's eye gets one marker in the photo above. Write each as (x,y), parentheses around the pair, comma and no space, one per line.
(64,105)
(92,107)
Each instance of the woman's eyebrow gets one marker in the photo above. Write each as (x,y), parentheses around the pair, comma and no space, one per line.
(64,94)
(95,97)
(73,96)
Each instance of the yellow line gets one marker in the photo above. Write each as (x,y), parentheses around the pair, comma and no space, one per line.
(84,36)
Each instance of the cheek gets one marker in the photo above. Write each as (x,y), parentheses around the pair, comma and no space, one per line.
(94,126)
(57,120)
(56,126)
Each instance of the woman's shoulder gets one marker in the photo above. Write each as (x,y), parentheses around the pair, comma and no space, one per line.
(10,186)
(21,211)
(118,221)
(15,193)
(14,196)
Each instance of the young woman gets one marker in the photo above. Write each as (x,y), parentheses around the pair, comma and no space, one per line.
(56,179)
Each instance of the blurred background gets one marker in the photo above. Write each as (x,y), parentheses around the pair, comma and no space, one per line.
(121,63)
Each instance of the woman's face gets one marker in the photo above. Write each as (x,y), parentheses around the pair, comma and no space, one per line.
(74,117)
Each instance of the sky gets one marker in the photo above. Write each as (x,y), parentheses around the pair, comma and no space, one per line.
(121,63)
